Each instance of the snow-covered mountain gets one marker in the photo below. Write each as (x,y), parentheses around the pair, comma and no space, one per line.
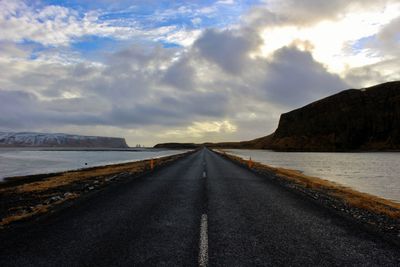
(27,139)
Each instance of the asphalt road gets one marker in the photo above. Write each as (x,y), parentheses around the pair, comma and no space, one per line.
(200,210)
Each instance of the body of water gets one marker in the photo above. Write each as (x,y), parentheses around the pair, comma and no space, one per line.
(18,162)
(374,173)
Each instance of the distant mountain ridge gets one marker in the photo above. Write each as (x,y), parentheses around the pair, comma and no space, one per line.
(31,139)
(365,119)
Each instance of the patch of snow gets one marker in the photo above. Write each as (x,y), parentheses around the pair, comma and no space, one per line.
(57,139)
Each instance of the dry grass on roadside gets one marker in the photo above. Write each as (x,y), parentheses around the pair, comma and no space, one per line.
(73,176)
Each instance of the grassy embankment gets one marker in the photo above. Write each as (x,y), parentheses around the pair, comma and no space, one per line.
(349,196)
(37,194)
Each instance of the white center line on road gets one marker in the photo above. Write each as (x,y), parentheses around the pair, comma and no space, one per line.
(203,244)
(204,174)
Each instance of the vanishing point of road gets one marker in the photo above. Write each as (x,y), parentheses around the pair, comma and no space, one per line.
(202,210)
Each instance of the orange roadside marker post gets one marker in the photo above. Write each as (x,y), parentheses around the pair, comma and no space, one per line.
(152,164)
(250,163)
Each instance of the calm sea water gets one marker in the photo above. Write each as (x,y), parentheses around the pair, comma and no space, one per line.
(374,173)
(18,162)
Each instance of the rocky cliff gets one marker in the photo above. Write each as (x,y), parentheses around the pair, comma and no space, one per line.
(24,139)
(365,119)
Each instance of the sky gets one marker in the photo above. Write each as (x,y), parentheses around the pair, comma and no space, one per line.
(185,71)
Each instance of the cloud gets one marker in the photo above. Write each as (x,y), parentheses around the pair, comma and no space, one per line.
(126,92)
(50,25)
(168,111)
(294,78)
(230,50)
(180,74)
(369,75)
(353,24)
(55,25)
(208,129)
(145,87)
(307,12)
(388,39)
(223,83)
(225,2)
(10,50)
(141,87)
(16,107)
(384,48)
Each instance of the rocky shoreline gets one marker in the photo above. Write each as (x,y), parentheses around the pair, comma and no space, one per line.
(29,197)
(383,219)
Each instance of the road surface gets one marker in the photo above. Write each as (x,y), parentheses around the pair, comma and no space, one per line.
(201,210)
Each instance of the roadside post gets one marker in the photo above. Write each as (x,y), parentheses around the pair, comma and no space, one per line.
(250,163)
(152,164)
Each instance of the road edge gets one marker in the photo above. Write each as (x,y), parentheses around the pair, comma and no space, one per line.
(119,179)
(380,225)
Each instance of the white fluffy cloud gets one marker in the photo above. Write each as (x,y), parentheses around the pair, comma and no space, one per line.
(59,26)
(221,84)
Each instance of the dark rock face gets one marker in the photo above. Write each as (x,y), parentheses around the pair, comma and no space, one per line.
(59,140)
(366,119)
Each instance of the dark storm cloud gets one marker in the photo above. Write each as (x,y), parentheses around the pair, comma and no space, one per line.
(291,78)
(23,110)
(294,78)
(181,74)
(30,111)
(82,70)
(16,108)
(228,49)
(170,111)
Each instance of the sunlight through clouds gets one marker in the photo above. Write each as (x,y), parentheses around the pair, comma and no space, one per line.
(202,129)
(330,39)
(185,70)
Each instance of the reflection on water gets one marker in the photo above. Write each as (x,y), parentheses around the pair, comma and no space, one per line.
(374,173)
(18,162)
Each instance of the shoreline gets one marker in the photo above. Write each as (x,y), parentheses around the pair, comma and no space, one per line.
(373,173)
(374,213)
(314,151)
(27,197)
(28,175)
